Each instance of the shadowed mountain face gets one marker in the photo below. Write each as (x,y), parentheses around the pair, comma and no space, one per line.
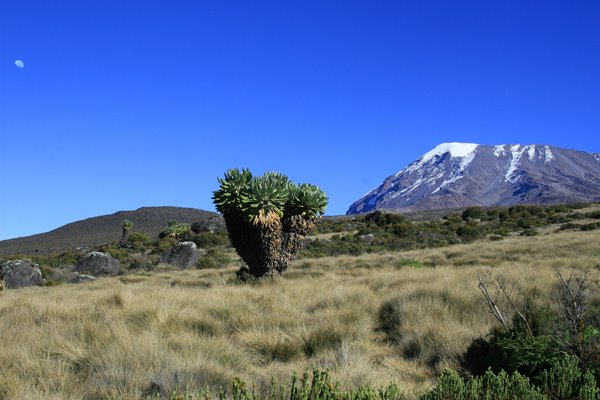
(103,229)
(465,174)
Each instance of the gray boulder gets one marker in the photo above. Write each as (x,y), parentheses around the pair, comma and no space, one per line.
(183,256)
(76,277)
(368,238)
(98,264)
(21,273)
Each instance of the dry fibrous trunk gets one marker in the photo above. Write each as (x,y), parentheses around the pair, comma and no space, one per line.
(124,237)
(268,248)
(296,228)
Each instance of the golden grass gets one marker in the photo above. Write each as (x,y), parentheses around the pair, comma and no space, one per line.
(129,336)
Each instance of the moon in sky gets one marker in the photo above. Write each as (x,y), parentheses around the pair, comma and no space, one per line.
(19,63)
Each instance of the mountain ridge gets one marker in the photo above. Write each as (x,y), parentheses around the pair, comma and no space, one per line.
(102,229)
(456,175)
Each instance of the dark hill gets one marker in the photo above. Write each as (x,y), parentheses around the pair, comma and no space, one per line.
(102,229)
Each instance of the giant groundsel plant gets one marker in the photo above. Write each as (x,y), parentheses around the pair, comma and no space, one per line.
(267,217)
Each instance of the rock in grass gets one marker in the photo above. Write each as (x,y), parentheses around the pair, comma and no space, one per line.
(183,256)
(368,238)
(98,264)
(76,277)
(21,273)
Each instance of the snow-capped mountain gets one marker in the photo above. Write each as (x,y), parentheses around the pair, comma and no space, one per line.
(465,174)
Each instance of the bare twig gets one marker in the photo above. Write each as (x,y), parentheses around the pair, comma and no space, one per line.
(494,310)
(572,298)
(508,292)
(502,286)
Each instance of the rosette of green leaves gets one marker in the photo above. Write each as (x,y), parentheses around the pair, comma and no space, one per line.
(228,199)
(265,198)
(174,229)
(306,199)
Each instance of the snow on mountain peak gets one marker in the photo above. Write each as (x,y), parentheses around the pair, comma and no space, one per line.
(499,150)
(548,153)
(455,150)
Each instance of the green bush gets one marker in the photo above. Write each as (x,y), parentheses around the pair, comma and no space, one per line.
(564,380)
(166,243)
(217,237)
(394,232)
(316,387)
(138,241)
(516,349)
(529,232)
(382,218)
(501,386)
(473,213)
(174,230)
(469,232)
(569,226)
(590,227)
(56,260)
(214,258)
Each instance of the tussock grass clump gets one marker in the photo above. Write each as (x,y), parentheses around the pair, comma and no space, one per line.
(391,319)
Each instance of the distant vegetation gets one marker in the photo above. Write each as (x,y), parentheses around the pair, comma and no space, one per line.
(104,229)
(381,231)
(139,252)
(371,233)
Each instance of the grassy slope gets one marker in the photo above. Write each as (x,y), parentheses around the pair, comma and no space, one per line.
(103,229)
(107,228)
(114,337)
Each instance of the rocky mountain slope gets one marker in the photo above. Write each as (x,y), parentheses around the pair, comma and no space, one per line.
(103,229)
(463,174)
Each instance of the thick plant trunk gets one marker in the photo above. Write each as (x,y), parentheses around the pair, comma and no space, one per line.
(268,248)
(295,229)
(270,239)
(124,237)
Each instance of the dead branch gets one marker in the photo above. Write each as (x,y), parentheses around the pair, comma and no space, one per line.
(494,310)
(572,298)
(508,296)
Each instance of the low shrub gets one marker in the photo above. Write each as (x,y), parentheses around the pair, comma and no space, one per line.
(569,226)
(590,227)
(316,387)
(529,232)
(214,258)
(501,386)
(138,240)
(394,232)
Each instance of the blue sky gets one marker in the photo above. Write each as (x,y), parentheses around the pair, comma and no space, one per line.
(123,104)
